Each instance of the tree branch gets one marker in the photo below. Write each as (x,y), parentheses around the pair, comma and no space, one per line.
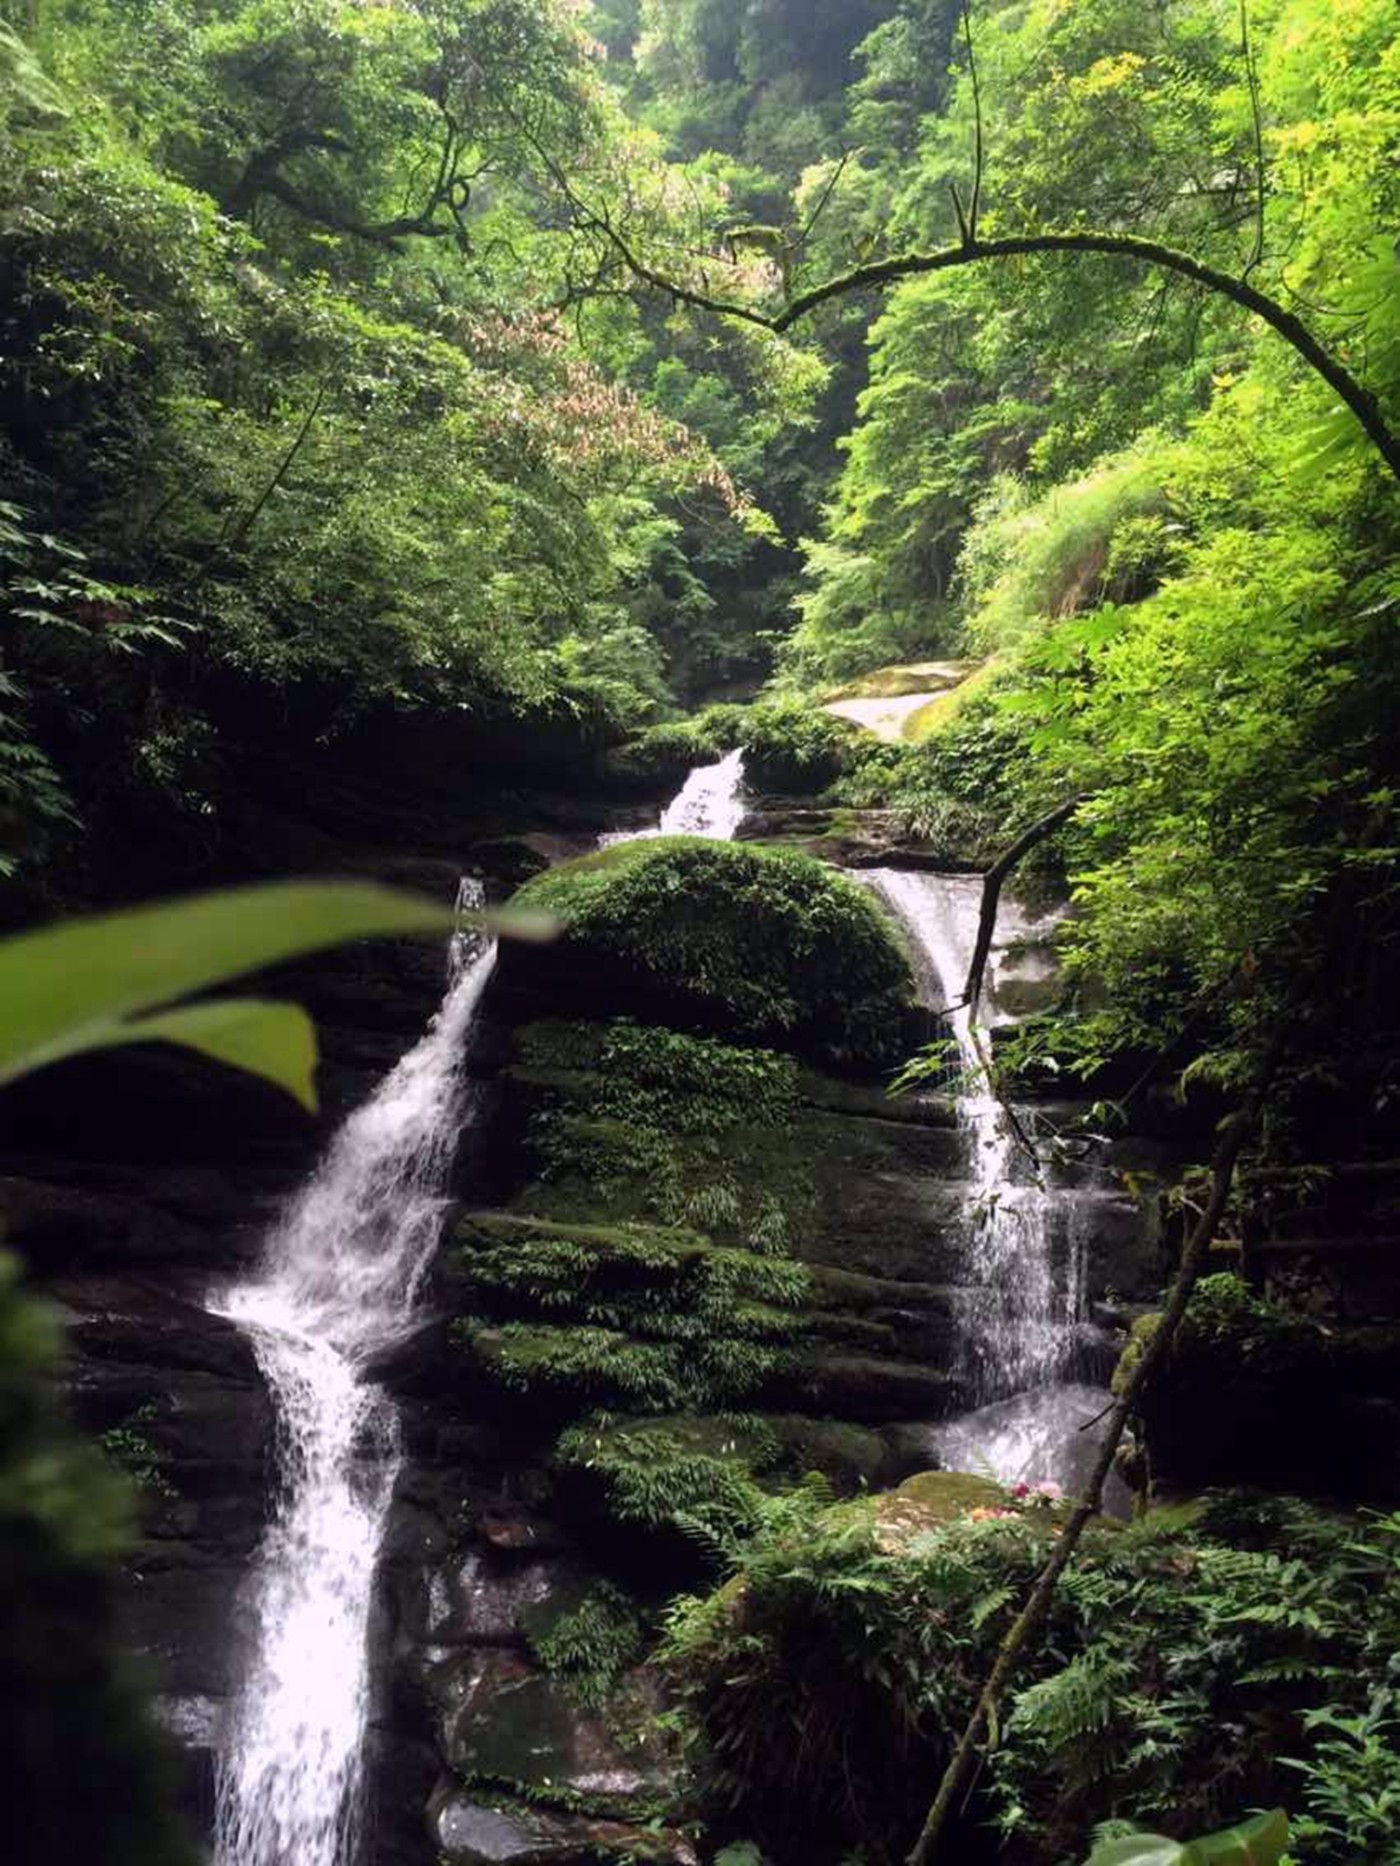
(991,892)
(1252,80)
(972,251)
(1294,332)
(976,202)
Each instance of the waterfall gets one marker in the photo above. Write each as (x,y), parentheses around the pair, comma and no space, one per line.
(709,803)
(1018,1316)
(336,1286)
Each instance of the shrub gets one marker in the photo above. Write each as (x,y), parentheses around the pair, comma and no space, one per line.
(760,944)
(794,747)
(823,1683)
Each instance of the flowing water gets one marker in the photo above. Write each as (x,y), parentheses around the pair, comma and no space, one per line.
(335,1287)
(709,803)
(1021,1308)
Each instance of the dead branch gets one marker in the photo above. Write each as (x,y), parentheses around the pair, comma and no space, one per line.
(991,892)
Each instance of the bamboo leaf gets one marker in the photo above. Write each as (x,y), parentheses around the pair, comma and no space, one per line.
(267,1039)
(73,987)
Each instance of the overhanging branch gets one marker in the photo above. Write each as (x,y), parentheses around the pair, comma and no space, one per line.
(973,250)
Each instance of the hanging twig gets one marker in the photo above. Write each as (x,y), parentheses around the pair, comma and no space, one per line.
(991,892)
(976,202)
(1252,80)
(958,1775)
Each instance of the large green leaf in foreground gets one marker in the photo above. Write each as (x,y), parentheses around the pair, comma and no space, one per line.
(1256,1842)
(93,983)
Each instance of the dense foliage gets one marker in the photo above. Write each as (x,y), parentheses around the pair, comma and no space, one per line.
(302,404)
(1198,1662)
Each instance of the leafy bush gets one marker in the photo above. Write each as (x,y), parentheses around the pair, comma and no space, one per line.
(761,944)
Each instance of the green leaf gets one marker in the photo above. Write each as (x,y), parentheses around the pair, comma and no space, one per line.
(274,1041)
(1141,1850)
(75,987)
(1257,1842)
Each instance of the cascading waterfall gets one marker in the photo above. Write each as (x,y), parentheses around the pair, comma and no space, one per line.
(336,1287)
(1019,1318)
(709,803)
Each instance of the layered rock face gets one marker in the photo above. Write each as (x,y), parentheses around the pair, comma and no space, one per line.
(702,1254)
(700,1268)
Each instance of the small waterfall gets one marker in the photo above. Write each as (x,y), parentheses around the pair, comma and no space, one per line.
(709,803)
(335,1287)
(1019,1318)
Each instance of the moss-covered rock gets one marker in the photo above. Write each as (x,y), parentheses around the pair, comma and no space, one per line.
(798,749)
(632,1315)
(626,1123)
(1254,1393)
(764,946)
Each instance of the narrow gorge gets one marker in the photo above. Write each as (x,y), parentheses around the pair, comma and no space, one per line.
(699,867)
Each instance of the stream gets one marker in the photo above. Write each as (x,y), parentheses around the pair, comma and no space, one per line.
(1023,1304)
(335,1286)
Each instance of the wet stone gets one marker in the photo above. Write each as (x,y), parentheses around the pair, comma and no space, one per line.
(471,1833)
(501,1718)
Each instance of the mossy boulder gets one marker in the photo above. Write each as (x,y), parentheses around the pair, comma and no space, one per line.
(1254,1393)
(926,1500)
(760,945)
(797,749)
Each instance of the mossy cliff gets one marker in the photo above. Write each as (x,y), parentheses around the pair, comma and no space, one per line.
(712,1271)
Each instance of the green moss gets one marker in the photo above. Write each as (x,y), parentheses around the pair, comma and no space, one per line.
(624,1315)
(932,1497)
(796,749)
(760,945)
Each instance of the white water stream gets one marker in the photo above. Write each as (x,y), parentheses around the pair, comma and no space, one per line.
(1020,1312)
(709,803)
(335,1288)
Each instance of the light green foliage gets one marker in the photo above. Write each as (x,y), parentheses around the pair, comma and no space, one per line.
(1258,1842)
(287,395)
(1185,578)
(91,984)
(767,945)
(1179,1662)
(591,1644)
(795,747)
